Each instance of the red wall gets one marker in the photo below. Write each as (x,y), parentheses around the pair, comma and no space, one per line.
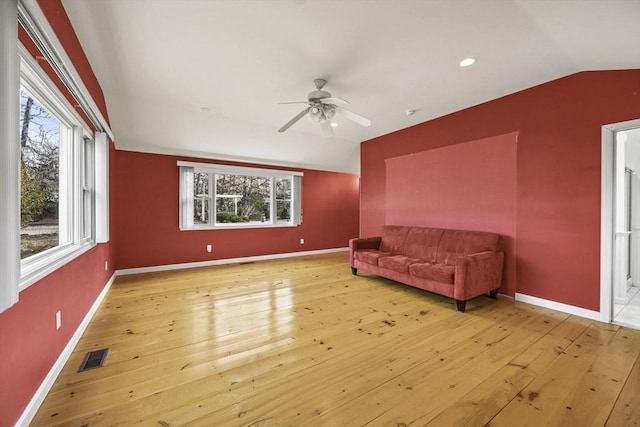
(29,342)
(558,173)
(147,232)
(479,191)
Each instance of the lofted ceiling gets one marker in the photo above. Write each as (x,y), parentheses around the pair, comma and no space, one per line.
(205,78)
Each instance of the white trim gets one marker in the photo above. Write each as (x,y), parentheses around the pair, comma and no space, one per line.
(606,215)
(9,156)
(40,85)
(128,271)
(238,170)
(48,264)
(35,267)
(29,11)
(235,226)
(211,170)
(558,306)
(39,396)
(101,159)
(606,225)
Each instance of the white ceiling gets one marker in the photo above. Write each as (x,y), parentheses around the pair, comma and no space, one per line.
(159,62)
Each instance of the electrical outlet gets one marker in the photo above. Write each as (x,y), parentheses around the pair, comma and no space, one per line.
(302,241)
(208,248)
(58,319)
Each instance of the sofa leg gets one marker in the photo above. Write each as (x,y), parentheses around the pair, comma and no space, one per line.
(494,293)
(461,305)
(354,271)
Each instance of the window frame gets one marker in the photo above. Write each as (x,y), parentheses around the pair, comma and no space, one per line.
(71,167)
(186,196)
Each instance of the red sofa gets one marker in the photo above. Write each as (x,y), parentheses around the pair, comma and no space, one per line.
(455,263)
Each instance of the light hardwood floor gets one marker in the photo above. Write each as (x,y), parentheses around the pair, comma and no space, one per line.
(302,342)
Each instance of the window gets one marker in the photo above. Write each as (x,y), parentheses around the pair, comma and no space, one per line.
(40,190)
(57,167)
(216,196)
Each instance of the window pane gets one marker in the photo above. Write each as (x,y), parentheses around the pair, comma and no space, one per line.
(283,200)
(39,173)
(86,214)
(283,211)
(283,188)
(243,198)
(200,198)
(200,211)
(88,200)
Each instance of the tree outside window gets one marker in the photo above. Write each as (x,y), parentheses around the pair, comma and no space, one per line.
(242,198)
(40,176)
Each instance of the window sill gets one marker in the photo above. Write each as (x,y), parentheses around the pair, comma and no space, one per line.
(237,227)
(38,270)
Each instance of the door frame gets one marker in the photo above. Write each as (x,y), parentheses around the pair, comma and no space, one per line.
(607,231)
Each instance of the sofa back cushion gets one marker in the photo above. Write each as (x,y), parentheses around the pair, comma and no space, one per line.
(422,243)
(393,238)
(455,243)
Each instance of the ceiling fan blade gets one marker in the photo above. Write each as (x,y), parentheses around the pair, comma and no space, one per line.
(353,116)
(294,102)
(335,100)
(290,123)
(327,130)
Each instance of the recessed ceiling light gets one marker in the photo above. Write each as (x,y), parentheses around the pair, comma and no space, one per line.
(334,124)
(467,61)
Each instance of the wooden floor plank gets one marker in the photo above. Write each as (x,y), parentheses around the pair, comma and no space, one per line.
(486,400)
(590,404)
(437,389)
(626,412)
(548,399)
(303,342)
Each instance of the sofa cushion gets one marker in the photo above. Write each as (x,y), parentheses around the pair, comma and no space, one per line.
(422,243)
(369,256)
(393,238)
(398,263)
(456,243)
(442,273)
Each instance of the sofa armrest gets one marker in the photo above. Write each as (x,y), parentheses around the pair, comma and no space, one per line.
(363,243)
(476,274)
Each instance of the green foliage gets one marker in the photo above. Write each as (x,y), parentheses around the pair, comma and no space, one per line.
(283,212)
(248,194)
(32,197)
(224,217)
(39,167)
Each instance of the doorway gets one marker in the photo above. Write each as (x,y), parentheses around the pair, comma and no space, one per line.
(620,238)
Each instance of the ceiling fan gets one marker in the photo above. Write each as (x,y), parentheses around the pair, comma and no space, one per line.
(323,107)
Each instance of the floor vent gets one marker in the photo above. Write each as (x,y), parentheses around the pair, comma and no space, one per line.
(246,263)
(93,359)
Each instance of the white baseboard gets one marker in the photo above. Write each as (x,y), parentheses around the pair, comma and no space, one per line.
(558,306)
(40,394)
(167,267)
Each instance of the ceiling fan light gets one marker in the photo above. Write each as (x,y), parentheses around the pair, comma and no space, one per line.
(315,113)
(329,111)
(334,124)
